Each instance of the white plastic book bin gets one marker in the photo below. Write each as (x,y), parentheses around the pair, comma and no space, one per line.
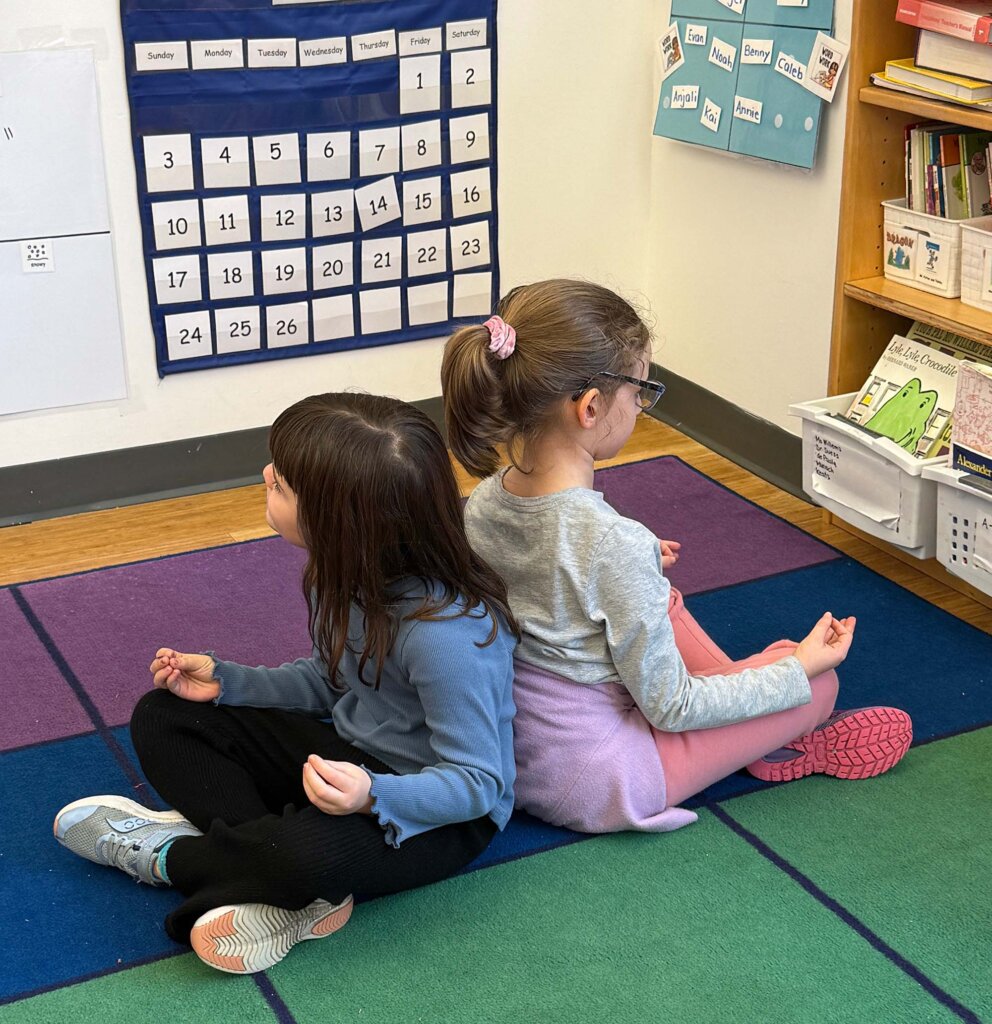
(964,527)
(869,482)
(976,241)
(921,250)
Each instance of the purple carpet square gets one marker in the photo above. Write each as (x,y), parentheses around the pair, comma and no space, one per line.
(243,602)
(39,704)
(725,539)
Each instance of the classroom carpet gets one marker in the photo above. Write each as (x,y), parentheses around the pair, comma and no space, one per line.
(817,900)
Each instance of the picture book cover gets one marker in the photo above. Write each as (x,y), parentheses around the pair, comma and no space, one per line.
(971,433)
(909,395)
(974,161)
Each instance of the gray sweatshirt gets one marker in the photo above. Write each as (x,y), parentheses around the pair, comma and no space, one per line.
(587,588)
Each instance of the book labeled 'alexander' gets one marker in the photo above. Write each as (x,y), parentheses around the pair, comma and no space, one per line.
(971,432)
(963,19)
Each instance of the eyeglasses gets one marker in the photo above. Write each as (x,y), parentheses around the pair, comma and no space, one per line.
(647,397)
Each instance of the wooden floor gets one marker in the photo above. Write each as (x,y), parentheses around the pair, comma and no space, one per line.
(56,547)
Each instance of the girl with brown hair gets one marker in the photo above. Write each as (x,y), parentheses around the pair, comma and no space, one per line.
(625,707)
(381,763)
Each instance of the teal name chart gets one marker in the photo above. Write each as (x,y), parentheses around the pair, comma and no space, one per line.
(734,73)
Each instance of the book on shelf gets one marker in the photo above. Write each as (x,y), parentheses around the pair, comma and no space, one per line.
(957,87)
(971,432)
(883,81)
(963,19)
(909,395)
(976,179)
(938,52)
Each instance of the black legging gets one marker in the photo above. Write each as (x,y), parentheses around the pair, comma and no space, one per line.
(237,774)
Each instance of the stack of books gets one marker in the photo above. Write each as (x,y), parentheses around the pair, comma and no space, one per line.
(953,60)
(910,394)
(948,170)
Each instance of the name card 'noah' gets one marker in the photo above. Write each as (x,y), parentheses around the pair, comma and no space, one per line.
(685,97)
(747,110)
(722,54)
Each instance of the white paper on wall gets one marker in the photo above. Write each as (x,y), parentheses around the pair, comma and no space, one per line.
(53,191)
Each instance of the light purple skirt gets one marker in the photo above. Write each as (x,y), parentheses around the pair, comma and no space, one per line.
(586,757)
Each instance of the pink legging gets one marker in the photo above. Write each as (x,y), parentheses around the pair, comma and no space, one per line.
(694,760)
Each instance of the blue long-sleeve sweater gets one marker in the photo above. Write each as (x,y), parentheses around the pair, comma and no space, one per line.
(441,717)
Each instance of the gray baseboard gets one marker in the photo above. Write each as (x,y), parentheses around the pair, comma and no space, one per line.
(753,443)
(130,476)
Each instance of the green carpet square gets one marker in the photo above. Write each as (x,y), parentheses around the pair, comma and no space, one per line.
(906,853)
(693,926)
(179,989)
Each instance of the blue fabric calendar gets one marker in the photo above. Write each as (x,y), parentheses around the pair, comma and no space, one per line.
(734,85)
(312,176)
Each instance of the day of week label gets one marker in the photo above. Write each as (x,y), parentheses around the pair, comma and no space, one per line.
(695,35)
(374,44)
(747,110)
(427,40)
(332,50)
(272,53)
(711,116)
(790,67)
(722,54)
(161,56)
(757,51)
(685,97)
(465,34)
(217,53)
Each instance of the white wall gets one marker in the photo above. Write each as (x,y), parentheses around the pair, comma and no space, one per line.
(709,244)
(574,163)
(742,265)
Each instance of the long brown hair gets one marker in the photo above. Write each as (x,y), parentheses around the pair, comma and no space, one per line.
(567,332)
(377,502)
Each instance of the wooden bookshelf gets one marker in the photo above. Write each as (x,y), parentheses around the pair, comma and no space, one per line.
(868,308)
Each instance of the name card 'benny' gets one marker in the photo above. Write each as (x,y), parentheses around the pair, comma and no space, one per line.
(695,35)
(711,116)
(722,54)
(757,51)
(747,110)
(685,97)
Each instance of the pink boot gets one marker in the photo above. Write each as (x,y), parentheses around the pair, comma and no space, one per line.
(856,744)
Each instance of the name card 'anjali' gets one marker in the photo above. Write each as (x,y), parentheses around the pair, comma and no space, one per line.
(757,51)
(790,67)
(722,54)
(711,116)
(747,110)
(685,97)
(695,35)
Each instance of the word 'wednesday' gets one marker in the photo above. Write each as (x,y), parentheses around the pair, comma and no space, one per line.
(211,54)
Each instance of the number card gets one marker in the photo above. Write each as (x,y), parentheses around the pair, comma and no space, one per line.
(328,156)
(287,325)
(313,176)
(177,279)
(168,163)
(377,203)
(469,245)
(230,275)
(277,159)
(237,329)
(332,213)
(333,266)
(225,162)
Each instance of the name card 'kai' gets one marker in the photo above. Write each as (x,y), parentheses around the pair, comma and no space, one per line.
(711,116)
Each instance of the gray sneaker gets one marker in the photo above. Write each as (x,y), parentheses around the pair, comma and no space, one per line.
(120,833)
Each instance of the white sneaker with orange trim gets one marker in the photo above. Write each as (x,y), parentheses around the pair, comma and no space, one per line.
(251,937)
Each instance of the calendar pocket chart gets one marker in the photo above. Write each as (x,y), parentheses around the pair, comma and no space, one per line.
(312,177)
(732,78)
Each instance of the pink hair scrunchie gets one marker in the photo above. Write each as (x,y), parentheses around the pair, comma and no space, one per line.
(503,338)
